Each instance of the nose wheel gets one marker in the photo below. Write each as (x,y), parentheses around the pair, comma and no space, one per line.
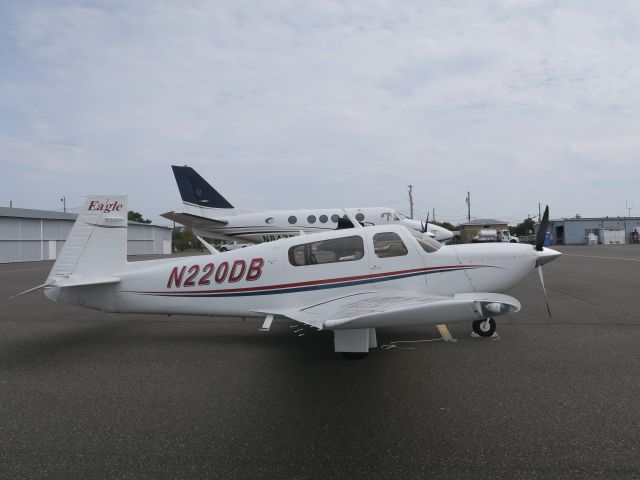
(485,327)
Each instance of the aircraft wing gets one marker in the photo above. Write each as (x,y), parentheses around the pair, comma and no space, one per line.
(386,309)
(194,221)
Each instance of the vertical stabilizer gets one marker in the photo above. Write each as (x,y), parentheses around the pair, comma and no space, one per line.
(97,243)
(196,190)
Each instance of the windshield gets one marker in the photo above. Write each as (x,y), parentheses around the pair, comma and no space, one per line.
(427,243)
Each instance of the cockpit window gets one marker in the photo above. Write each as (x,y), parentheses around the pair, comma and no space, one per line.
(333,250)
(388,244)
(427,243)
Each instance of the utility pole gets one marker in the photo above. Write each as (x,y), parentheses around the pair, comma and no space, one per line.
(434,215)
(469,205)
(411,202)
(539,215)
(10,203)
(64,204)
(626,204)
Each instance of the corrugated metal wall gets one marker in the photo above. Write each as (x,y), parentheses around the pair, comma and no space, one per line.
(575,229)
(33,239)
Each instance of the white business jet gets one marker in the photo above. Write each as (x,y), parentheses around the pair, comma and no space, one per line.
(350,281)
(209,214)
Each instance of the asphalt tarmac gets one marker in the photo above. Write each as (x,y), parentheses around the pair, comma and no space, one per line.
(85,394)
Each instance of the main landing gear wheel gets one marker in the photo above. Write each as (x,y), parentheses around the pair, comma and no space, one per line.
(354,355)
(485,328)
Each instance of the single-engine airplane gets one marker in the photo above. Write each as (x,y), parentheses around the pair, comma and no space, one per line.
(350,281)
(209,214)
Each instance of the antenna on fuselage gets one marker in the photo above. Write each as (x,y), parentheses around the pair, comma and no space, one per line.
(356,223)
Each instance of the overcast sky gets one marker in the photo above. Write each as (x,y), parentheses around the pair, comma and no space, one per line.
(311,104)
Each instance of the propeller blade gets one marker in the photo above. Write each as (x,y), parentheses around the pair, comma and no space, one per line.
(426,224)
(542,230)
(546,299)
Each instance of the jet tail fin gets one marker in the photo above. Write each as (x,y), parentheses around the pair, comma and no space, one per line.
(196,190)
(97,243)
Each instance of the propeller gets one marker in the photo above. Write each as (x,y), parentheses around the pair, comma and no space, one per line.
(542,232)
(546,299)
(542,229)
(425,225)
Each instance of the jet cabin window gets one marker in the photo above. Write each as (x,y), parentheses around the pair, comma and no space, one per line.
(427,243)
(388,244)
(345,249)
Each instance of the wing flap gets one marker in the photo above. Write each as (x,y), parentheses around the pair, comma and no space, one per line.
(385,309)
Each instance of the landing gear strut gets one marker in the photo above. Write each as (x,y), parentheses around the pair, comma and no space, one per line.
(485,328)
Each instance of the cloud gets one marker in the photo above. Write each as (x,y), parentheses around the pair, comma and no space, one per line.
(325,104)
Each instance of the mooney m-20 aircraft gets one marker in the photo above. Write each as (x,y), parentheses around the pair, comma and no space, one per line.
(350,281)
(209,214)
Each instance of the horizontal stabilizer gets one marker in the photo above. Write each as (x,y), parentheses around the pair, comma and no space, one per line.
(79,281)
(194,221)
(71,282)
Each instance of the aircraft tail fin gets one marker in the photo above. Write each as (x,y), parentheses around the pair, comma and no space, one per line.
(196,190)
(97,244)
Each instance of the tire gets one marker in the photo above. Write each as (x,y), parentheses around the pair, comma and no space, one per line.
(355,355)
(486,332)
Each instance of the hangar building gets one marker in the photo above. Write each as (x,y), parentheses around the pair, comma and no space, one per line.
(29,235)
(611,230)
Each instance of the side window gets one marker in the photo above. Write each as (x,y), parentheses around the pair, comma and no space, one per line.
(323,219)
(388,244)
(292,219)
(334,250)
(335,218)
(360,217)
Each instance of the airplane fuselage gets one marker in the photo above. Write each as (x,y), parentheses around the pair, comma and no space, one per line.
(269,225)
(282,274)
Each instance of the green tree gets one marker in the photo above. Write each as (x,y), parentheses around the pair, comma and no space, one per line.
(524,228)
(184,239)
(136,217)
(447,225)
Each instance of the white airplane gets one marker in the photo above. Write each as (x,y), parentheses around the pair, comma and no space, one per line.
(209,214)
(350,281)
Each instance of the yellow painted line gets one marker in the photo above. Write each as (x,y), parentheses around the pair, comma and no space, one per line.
(444,333)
